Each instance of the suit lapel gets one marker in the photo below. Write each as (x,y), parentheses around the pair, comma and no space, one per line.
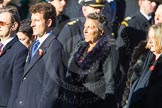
(34,60)
(145,22)
(39,54)
(15,39)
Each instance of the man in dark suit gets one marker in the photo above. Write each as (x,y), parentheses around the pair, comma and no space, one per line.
(12,57)
(39,88)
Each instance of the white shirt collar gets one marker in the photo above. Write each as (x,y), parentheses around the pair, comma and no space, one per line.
(7,41)
(146,16)
(43,38)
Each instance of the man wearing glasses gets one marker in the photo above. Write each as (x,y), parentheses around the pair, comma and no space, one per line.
(12,57)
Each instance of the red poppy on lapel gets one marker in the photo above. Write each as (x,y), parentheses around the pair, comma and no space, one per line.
(1,52)
(152,68)
(41,52)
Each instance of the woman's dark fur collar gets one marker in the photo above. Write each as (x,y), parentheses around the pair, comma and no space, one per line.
(99,53)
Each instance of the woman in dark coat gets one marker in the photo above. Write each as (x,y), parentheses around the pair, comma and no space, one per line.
(92,67)
(135,68)
(146,91)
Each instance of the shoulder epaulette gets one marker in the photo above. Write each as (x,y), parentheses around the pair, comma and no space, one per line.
(73,22)
(128,18)
(125,21)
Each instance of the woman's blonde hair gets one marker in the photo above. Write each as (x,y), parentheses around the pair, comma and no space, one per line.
(157,28)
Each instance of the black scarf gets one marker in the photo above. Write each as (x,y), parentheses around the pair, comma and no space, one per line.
(98,53)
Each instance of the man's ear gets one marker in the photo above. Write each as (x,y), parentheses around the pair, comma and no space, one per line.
(84,9)
(14,26)
(49,22)
(139,2)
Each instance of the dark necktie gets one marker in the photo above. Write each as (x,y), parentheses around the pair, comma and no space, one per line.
(150,21)
(35,47)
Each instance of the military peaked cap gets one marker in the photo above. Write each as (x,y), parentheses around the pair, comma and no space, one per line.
(92,3)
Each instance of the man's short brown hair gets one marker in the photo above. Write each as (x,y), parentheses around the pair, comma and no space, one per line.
(47,9)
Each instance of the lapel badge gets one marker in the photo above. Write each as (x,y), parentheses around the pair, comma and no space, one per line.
(41,52)
(1,52)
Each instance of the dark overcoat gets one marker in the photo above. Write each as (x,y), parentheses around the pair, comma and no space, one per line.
(146,92)
(12,61)
(39,87)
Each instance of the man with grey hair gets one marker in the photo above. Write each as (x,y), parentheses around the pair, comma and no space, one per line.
(12,56)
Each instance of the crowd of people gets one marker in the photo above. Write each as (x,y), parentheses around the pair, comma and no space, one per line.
(50,60)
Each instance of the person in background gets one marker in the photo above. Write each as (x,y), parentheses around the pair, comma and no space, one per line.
(137,60)
(62,19)
(90,73)
(109,11)
(134,72)
(21,8)
(146,90)
(158,14)
(59,6)
(38,88)
(4,3)
(1,3)
(25,33)
(133,30)
(12,56)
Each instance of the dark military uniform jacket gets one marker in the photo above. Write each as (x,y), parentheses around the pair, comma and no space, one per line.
(131,32)
(69,36)
(60,22)
(60,19)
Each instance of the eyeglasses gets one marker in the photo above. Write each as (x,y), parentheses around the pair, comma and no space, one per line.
(4,23)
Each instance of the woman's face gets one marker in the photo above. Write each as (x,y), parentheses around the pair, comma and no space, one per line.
(151,40)
(24,39)
(91,31)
